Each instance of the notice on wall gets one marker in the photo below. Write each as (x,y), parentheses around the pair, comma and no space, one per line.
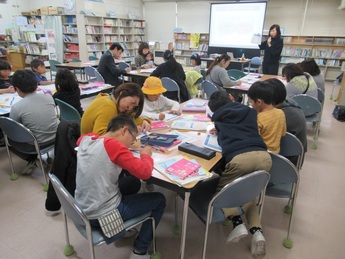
(194,40)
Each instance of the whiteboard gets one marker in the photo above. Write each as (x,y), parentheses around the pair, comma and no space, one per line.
(234,25)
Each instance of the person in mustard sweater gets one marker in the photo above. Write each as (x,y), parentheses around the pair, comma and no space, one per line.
(126,99)
(271,121)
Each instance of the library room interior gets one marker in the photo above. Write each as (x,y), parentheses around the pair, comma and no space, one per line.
(294,200)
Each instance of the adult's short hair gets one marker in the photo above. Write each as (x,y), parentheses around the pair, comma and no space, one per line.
(116,46)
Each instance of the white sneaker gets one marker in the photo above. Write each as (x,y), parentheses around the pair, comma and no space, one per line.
(135,256)
(237,233)
(258,245)
(52,213)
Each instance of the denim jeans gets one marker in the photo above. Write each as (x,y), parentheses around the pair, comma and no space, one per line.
(137,204)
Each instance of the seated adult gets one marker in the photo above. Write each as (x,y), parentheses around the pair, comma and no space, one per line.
(309,65)
(295,119)
(100,160)
(35,111)
(170,68)
(108,68)
(298,82)
(140,59)
(218,75)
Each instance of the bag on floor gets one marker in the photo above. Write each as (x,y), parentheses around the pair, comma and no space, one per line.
(339,112)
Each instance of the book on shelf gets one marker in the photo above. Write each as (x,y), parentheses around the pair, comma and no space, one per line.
(199,175)
(182,168)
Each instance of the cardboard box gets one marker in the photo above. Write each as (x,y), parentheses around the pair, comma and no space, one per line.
(56,10)
(34,12)
(25,13)
(44,10)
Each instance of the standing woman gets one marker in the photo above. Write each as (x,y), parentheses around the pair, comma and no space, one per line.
(170,68)
(273,47)
(143,50)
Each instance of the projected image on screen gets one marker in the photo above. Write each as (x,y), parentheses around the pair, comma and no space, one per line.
(234,24)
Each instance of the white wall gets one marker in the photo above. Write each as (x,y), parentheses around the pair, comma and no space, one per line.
(298,17)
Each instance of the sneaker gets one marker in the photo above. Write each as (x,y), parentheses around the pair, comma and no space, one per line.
(136,256)
(150,187)
(29,168)
(237,233)
(258,245)
(131,233)
(52,213)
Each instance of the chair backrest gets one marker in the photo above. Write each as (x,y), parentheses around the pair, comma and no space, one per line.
(90,73)
(235,74)
(309,105)
(203,73)
(291,146)
(76,60)
(53,64)
(67,111)
(208,88)
(99,77)
(16,132)
(68,203)
(320,96)
(242,190)
(255,61)
(93,58)
(123,65)
(282,170)
(171,86)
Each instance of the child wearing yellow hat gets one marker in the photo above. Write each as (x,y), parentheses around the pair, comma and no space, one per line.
(155,103)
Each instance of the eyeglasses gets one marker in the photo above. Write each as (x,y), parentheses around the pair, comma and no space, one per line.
(134,137)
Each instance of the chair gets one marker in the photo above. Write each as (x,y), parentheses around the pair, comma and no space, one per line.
(235,74)
(99,77)
(171,86)
(79,71)
(123,65)
(95,237)
(93,58)
(67,111)
(209,88)
(284,181)
(90,73)
(321,98)
(291,146)
(254,65)
(53,68)
(16,135)
(235,194)
(312,109)
(203,73)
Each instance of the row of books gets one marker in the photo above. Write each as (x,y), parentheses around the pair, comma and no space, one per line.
(70,19)
(182,45)
(34,49)
(30,58)
(139,24)
(139,31)
(203,47)
(93,29)
(69,29)
(110,38)
(291,51)
(69,38)
(94,47)
(93,39)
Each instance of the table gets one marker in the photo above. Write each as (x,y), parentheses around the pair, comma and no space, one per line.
(86,90)
(164,182)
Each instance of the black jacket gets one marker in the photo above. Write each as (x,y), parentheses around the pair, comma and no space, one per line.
(109,70)
(272,54)
(65,161)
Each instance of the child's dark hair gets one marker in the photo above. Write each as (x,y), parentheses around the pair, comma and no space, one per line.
(120,121)
(218,99)
(197,58)
(4,65)
(130,89)
(171,61)
(279,90)
(309,65)
(261,90)
(34,64)
(25,80)
(217,60)
(66,81)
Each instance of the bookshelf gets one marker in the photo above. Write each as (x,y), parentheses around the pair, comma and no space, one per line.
(188,43)
(328,52)
(70,37)
(100,32)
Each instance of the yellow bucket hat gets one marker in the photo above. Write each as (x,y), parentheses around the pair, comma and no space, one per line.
(153,85)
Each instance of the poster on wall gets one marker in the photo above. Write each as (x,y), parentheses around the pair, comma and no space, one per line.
(194,40)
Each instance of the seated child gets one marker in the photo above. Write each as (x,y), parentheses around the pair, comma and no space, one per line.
(35,111)
(100,160)
(155,103)
(39,69)
(196,62)
(5,80)
(149,60)
(244,152)
(271,121)
(67,89)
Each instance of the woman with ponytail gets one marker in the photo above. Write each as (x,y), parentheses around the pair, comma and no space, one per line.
(170,68)
(218,75)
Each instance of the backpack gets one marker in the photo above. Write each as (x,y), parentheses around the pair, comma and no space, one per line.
(339,112)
